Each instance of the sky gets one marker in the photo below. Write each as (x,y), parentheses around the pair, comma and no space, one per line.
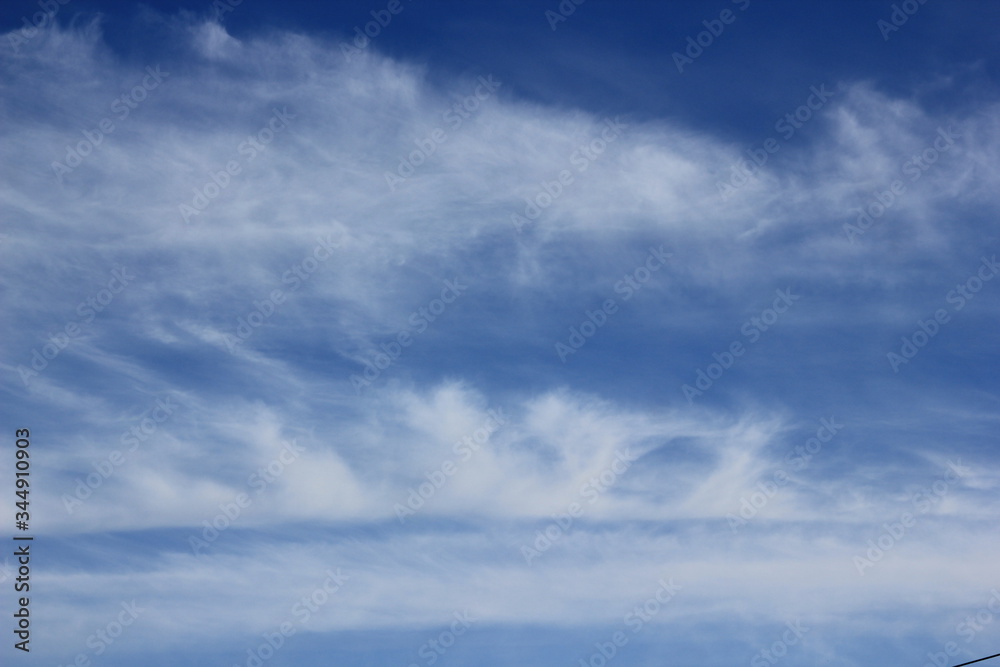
(515,333)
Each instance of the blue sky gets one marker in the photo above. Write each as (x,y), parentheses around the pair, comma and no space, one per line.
(637,334)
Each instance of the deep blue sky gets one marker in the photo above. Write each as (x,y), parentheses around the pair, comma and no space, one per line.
(613,57)
(717,496)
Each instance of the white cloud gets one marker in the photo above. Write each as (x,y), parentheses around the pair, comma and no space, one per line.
(324,173)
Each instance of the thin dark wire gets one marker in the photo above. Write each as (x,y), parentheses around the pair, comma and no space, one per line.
(980,660)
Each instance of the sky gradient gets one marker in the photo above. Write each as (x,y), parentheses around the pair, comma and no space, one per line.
(509,333)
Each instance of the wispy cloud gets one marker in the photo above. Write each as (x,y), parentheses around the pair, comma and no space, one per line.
(271,263)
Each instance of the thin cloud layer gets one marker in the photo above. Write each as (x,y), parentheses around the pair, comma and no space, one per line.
(253,337)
